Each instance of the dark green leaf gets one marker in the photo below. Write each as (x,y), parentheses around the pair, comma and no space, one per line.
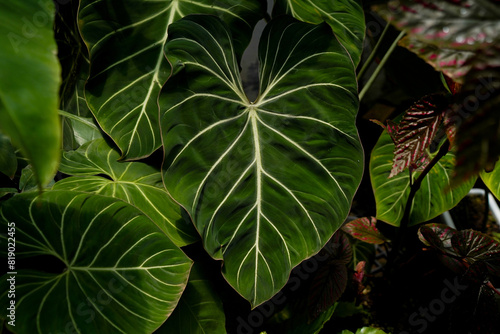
(29,83)
(199,311)
(8,159)
(93,264)
(126,40)
(28,182)
(267,183)
(134,182)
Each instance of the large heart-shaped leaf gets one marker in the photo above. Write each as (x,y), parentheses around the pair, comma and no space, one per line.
(97,170)
(267,183)
(199,311)
(90,264)
(391,194)
(29,83)
(126,40)
(346,17)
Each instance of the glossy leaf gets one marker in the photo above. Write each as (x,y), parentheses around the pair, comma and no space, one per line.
(93,264)
(200,310)
(96,170)
(266,183)
(365,230)
(415,133)
(126,40)
(444,32)
(346,18)
(29,83)
(391,194)
(8,159)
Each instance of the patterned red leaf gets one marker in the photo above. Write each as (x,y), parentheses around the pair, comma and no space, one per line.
(365,230)
(416,131)
(445,33)
(477,116)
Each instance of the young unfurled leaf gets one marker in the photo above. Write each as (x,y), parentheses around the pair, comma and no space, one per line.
(415,133)
(365,230)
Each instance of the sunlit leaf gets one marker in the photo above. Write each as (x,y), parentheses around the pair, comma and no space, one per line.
(346,18)
(365,230)
(126,41)
(391,194)
(492,180)
(90,264)
(29,83)
(96,169)
(266,183)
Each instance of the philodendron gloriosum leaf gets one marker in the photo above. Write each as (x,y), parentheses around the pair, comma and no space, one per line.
(115,271)
(134,182)
(128,64)
(29,83)
(267,183)
(391,194)
(346,17)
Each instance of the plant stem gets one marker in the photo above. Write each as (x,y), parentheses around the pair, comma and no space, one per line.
(372,54)
(379,67)
(403,226)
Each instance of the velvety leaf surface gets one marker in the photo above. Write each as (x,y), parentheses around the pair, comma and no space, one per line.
(268,182)
(96,170)
(200,310)
(126,40)
(346,17)
(391,194)
(29,83)
(8,159)
(365,230)
(444,32)
(93,264)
